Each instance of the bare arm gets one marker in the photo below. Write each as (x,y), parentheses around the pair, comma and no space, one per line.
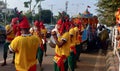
(9,31)
(59,43)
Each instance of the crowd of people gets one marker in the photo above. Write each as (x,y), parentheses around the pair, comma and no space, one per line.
(28,44)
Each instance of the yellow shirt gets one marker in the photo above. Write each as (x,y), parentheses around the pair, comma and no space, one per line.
(11,35)
(25,48)
(65,49)
(76,35)
(72,40)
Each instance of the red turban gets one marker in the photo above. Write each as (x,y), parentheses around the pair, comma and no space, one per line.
(36,23)
(24,23)
(14,20)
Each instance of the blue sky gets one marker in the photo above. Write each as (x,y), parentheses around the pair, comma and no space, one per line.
(74,6)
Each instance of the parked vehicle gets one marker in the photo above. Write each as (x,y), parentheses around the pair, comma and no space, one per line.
(49,29)
(2,34)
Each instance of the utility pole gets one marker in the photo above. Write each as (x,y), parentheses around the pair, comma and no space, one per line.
(77,7)
(33,15)
(30,4)
(31,11)
(51,13)
(66,6)
(5,12)
(40,9)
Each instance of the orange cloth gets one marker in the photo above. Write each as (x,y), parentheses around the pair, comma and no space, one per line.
(118,29)
(117,15)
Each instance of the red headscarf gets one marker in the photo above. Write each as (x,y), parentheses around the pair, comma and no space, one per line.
(59,23)
(41,25)
(18,31)
(63,26)
(67,24)
(24,23)
(36,23)
(14,24)
(14,21)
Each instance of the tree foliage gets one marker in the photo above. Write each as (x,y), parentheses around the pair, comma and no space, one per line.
(62,15)
(46,16)
(26,4)
(29,16)
(106,11)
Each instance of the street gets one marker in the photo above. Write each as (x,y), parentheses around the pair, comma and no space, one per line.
(88,62)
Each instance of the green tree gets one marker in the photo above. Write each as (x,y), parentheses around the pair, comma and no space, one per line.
(46,16)
(36,17)
(29,16)
(27,4)
(8,18)
(106,11)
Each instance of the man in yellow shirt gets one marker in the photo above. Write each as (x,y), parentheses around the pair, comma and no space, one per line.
(25,48)
(35,30)
(10,36)
(62,49)
(77,43)
(71,58)
(44,34)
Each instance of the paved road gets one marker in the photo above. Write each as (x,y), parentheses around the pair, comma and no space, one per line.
(89,62)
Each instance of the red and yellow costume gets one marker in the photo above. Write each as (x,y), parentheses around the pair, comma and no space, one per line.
(44,34)
(62,52)
(25,48)
(71,58)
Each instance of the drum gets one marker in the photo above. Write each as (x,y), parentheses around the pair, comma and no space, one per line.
(51,42)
